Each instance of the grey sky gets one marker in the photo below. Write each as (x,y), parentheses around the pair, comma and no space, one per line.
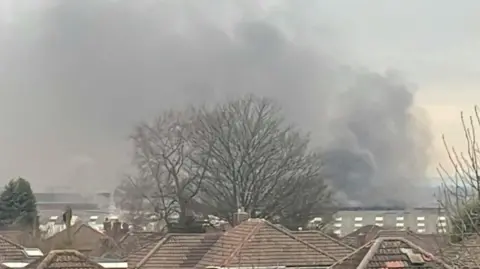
(54,136)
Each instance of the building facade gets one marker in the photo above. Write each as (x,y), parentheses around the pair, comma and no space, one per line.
(420,220)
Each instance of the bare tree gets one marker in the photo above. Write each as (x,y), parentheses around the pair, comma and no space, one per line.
(258,163)
(461,185)
(167,178)
(460,197)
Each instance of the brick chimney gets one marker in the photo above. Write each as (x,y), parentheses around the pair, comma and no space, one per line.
(240,216)
(116,229)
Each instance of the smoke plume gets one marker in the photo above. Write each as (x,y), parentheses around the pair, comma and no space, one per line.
(91,69)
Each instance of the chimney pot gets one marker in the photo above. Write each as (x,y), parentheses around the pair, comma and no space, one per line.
(240,216)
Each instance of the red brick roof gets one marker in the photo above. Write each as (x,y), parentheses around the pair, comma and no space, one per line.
(257,242)
(133,241)
(59,259)
(173,251)
(389,252)
(326,243)
(10,251)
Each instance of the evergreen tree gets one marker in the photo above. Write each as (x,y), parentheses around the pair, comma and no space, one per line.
(18,206)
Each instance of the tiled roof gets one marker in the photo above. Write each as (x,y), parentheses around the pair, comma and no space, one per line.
(429,242)
(361,236)
(326,243)
(70,259)
(10,251)
(390,252)
(173,251)
(133,241)
(257,242)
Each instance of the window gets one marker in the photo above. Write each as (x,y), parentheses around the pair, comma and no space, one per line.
(358,225)
(421,224)
(378,218)
(358,218)
(338,225)
(442,224)
(337,232)
(420,218)
(400,218)
(379,224)
(338,219)
(420,230)
(399,224)
(442,218)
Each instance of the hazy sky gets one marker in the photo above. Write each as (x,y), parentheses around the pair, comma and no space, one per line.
(433,43)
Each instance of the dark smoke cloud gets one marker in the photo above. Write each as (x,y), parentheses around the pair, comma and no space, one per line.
(95,68)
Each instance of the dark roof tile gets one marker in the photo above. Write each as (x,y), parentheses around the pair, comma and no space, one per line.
(389,252)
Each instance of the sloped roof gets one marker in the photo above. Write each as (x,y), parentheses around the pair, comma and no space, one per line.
(10,251)
(173,251)
(326,243)
(361,236)
(75,228)
(389,252)
(431,243)
(133,241)
(257,242)
(70,259)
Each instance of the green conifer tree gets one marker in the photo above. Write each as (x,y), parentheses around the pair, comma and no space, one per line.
(18,206)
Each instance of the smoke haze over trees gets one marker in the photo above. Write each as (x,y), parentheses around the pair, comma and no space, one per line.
(108,64)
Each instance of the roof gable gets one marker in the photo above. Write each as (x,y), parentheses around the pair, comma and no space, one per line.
(386,252)
(71,259)
(257,242)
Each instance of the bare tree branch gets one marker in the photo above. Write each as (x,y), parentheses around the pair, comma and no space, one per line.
(164,161)
(258,163)
(460,196)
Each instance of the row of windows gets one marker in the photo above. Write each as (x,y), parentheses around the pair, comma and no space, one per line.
(420,230)
(398,224)
(421,218)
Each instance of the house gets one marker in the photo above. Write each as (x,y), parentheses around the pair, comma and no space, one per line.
(251,243)
(390,252)
(83,238)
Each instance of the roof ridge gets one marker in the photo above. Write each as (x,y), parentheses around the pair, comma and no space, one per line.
(291,235)
(4,238)
(242,244)
(47,260)
(153,250)
(368,244)
(371,252)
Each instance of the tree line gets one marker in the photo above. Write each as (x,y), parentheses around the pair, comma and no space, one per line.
(239,154)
